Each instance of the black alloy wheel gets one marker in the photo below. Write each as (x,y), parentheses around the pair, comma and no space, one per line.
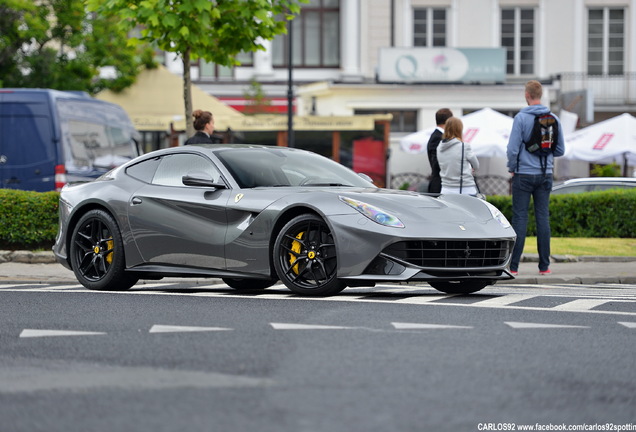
(305,257)
(97,253)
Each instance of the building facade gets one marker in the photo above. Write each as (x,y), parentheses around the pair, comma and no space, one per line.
(344,61)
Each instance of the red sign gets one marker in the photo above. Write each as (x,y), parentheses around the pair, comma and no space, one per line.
(470,134)
(603,141)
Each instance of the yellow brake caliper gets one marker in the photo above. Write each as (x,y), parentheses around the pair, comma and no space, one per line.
(109,257)
(295,247)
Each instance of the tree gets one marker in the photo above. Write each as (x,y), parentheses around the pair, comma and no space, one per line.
(56,44)
(214,30)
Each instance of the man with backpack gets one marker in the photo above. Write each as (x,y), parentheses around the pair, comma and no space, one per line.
(535,140)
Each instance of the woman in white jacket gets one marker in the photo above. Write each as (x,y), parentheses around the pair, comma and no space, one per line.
(457,161)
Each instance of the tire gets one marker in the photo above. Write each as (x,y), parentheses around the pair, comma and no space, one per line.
(305,257)
(97,253)
(249,284)
(460,287)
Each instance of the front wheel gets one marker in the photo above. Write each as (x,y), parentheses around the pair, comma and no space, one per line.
(305,257)
(97,253)
(460,287)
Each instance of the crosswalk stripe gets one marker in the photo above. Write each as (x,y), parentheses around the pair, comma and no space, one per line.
(628,324)
(423,299)
(505,300)
(580,304)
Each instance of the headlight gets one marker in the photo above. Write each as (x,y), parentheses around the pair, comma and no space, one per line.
(497,215)
(374,213)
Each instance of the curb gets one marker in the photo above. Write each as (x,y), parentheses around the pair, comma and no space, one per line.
(27,257)
(47,257)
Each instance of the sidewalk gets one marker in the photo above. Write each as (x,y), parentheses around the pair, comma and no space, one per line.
(40,267)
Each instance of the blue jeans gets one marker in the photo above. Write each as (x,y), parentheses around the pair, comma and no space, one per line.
(538,187)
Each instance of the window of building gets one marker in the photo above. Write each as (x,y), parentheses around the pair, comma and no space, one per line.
(316,37)
(403,120)
(517,36)
(215,72)
(605,41)
(429,27)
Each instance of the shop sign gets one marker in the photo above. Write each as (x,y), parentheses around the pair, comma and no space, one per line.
(438,65)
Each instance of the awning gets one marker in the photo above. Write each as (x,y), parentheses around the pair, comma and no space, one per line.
(156,100)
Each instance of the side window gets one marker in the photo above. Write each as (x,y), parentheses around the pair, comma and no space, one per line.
(144,170)
(173,167)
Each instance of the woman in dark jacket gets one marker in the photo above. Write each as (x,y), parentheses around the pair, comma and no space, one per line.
(204,125)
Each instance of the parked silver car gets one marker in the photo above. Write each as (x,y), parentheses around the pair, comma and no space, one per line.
(591,184)
(253,215)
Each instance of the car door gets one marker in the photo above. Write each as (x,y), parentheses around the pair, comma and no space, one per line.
(180,225)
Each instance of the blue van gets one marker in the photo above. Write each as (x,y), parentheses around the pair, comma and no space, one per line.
(49,138)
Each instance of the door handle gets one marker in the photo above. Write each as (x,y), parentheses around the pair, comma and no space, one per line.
(136,200)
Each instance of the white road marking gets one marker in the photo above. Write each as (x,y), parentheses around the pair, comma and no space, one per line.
(522,325)
(291,326)
(505,300)
(416,326)
(581,304)
(423,299)
(503,297)
(183,329)
(30,333)
(628,324)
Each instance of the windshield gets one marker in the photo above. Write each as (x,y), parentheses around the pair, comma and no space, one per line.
(252,167)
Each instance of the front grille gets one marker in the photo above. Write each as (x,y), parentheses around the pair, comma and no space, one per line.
(452,253)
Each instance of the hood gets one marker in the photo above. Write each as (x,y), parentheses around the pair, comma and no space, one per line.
(535,109)
(446,144)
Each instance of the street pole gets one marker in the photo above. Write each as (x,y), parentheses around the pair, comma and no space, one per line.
(290,89)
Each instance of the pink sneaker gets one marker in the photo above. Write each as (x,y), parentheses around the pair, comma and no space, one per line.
(545,272)
(514,273)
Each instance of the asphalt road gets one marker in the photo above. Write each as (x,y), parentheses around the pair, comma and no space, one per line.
(178,357)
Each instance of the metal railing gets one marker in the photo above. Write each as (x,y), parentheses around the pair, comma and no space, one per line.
(488,184)
(606,89)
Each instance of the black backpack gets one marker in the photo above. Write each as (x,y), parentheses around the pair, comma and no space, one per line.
(544,135)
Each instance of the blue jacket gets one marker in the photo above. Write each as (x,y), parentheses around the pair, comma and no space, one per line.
(521,161)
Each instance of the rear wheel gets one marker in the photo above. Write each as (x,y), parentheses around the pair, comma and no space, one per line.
(248,284)
(460,287)
(305,257)
(97,253)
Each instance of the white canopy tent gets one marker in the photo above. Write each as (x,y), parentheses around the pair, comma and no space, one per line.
(486,130)
(612,140)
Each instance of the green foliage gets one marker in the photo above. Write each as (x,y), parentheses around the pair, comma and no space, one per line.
(256,98)
(28,220)
(610,170)
(213,31)
(56,44)
(216,31)
(592,214)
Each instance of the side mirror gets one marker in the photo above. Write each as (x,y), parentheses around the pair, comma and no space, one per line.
(366,177)
(200,178)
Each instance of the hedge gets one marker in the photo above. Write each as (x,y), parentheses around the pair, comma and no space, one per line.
(593,214)
(29,220)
